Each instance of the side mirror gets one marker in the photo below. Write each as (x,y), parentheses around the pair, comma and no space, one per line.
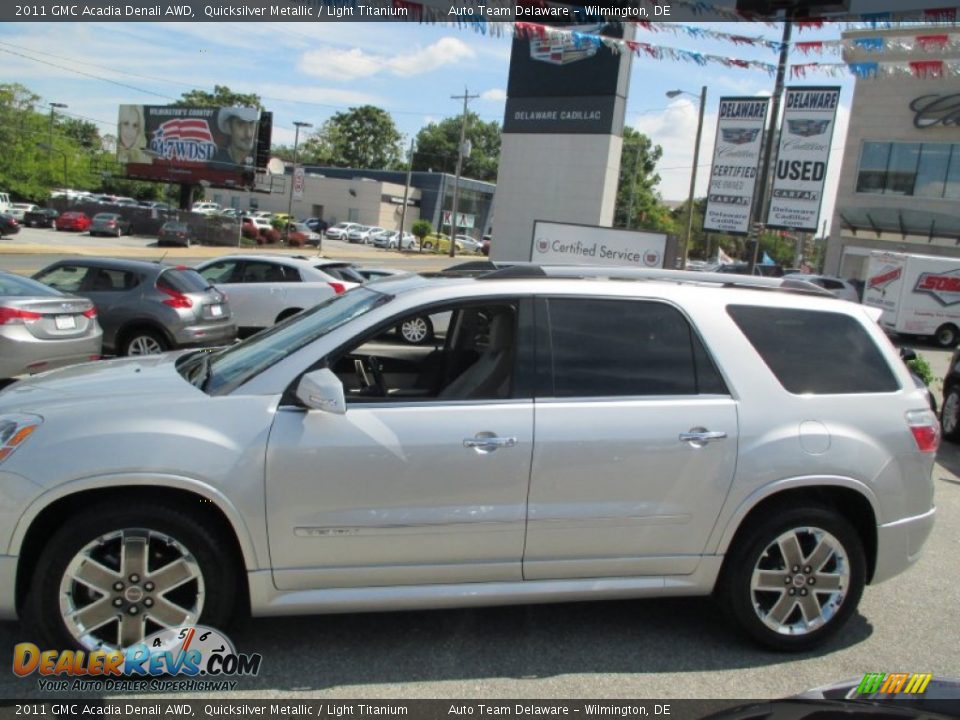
(322,390)
(908,354)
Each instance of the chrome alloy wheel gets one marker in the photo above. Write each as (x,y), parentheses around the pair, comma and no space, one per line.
(415,330)
(128,584)
(800,581)
(144,345)
(951,413)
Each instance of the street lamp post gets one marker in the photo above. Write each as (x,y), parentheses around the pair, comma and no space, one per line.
(293,176)
(53,110)
(693,173)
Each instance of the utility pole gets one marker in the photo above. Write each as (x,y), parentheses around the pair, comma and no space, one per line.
(760,201)
(53,110)
(293,176)
(466,97)
(406,194)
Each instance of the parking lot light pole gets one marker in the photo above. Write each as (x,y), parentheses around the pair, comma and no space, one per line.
(693,173)
(53,110)
(293,174)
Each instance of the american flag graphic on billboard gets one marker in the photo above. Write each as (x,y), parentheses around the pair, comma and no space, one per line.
(185,139)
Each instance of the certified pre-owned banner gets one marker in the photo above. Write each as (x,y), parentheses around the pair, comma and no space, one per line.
(735,158)
(808,118)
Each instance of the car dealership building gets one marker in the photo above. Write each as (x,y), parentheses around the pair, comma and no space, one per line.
(900,178)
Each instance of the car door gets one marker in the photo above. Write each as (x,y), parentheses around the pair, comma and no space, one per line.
(424,484)
(251,301)
(116,293)
(636,442)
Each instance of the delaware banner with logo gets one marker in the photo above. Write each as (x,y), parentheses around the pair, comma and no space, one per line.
(809,116)
(736,155)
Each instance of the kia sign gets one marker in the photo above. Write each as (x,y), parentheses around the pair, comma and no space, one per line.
(566,244)
(801,170)
(736,155)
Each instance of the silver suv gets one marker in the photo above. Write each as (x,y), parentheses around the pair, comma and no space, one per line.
(559,439)
(146,307)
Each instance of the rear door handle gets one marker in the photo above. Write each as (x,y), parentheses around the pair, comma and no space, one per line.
(699,437)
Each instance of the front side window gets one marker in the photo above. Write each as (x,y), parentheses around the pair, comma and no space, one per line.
(261,272)
(222,271)
(463,352)
(610,348)
(65,278)
(812,352)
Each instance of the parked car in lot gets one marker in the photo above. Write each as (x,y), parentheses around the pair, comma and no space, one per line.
(843,289)
(205,208)
(42,328)
(468,244)
(391,238)
(109,224)
(363,234)
(742,268)
(18,210)
(440,243)
(258,224)
(8,225)
(72,220)
(340,230)
(301,235)
(266,289)
(41,217)
(568,440)
(146,307)
(174,232)
(318,225)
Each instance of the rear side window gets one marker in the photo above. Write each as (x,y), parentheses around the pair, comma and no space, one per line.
(609,348)
(186,280)
(813,352)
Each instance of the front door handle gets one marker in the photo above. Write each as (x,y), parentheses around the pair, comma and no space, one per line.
(699,437)
(485,443)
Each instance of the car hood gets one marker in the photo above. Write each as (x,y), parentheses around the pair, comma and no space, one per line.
(101,381)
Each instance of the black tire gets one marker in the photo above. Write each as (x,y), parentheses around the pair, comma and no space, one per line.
(219,569)
(751,551)
(427,245)
(950,415)
(416,330)
(286,313)
(947,336)
(143,338)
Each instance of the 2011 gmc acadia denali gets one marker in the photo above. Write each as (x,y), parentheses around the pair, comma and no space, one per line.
(629,434)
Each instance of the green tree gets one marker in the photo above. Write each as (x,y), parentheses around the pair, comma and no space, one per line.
(362,137)
(421,228)
(437,147)
(636,194)
(222,96)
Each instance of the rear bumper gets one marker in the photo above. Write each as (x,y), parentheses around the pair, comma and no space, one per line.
(206,335)
(899,544)
(32,355)
(8,587)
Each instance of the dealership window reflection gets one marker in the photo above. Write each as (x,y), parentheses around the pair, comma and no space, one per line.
(928,170)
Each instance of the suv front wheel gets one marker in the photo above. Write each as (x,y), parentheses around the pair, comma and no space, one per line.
(795,577)
(110,577)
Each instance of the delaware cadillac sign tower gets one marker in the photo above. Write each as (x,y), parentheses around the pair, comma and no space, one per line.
(562,135)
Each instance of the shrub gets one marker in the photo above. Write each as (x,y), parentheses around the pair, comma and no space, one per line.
(421,228)
(272,236)
(249,232)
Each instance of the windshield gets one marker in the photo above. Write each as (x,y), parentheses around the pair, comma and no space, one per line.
(236,365)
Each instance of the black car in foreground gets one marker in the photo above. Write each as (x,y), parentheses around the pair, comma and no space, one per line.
(41,217)
(8,224)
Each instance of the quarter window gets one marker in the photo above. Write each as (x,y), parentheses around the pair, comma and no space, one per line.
(813,352)
(605,348)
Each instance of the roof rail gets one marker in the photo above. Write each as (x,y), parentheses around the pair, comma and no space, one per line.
(502,271)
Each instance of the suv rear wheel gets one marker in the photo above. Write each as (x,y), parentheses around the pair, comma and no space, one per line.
(111,577)
(143,342)
(795,577)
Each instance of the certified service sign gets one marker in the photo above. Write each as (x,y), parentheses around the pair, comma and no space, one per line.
(566,244)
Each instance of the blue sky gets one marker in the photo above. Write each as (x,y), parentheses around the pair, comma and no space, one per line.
(309,71)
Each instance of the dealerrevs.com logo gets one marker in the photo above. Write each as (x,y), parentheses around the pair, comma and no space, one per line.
(192,658)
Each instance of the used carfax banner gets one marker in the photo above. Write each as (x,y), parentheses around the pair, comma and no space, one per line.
(736,156)
(808,118)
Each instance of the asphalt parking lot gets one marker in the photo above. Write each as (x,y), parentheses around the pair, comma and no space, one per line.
(654,649)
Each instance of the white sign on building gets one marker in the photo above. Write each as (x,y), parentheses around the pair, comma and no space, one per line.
(801,171)
(736,156)
(298,182)
(567,244)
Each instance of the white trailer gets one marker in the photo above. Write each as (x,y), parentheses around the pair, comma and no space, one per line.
(918,294)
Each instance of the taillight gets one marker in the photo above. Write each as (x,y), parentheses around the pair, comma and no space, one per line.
(177,299)
(925,428)
(15,316)
(338,288)
(91,313)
